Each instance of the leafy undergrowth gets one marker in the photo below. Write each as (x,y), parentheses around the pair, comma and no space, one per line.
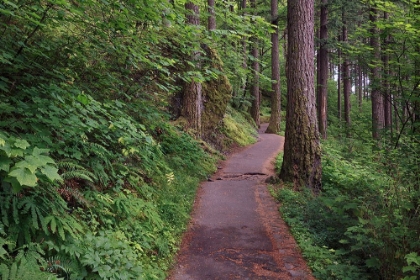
(95,181)
(365,223)
(105,196)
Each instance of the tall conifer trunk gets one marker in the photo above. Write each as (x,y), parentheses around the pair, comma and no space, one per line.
(322,85)
(211,24)
(376,95)
(255,87)
(302,152)
(339,82)
(275,117)
(192,100)
(386,84)
(346,76)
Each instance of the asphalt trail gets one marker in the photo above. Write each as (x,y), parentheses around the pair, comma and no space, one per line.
(236,231)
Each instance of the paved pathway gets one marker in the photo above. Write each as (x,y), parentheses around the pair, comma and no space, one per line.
(236,231)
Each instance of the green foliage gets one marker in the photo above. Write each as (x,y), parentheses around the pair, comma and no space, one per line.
(238,128)
(22,167)
(111,256)
(25,265)
(92,174)
(365,221)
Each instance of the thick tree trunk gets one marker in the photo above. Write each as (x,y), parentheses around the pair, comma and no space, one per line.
(192,101)
(322,86)
(275,118)
(376,95)
(346,77)
(255,88)
(211,24)
(302,152)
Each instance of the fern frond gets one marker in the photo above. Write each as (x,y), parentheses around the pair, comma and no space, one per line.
(73,170)
(78,174)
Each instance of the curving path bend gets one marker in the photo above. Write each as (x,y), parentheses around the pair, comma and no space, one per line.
(236,231)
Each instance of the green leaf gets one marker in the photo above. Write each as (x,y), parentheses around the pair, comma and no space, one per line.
(83,99)
(37,151)
(373,263)
(5,164)
(26,164)
(24,176)
(39,160)
(51,172)
(23,144)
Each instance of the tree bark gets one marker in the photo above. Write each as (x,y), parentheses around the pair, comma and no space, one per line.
(275,117)
(245,55)
(359,86)
(211,24)
(386,84)
(416,91)
(302,152)
(346,76)
(339,82)
(192,100)
(255,88)
(322,86)
(376,95)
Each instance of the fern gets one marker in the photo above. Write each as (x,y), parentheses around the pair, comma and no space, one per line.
(72,170)
(26,265)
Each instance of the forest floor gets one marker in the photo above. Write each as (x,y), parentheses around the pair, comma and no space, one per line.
(236,231)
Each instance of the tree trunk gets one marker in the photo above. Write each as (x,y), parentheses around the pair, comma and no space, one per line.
(386,84)
(360,86)
(275,117)
(255,88)
(192,100)
(245,54)
(416,91)
(322,86)
(346,77)
(302,152)
(339,82)
(211,24)
(376,96)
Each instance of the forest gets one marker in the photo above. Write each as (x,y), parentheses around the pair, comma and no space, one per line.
(113,111)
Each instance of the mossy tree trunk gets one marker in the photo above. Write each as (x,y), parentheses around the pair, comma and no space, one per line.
(302,152)
(275,118)
(192,100)
(255,88)
(245,54)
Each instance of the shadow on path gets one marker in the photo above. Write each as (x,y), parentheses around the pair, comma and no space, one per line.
(236,231)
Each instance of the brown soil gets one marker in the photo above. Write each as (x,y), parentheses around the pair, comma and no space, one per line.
(236,231)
